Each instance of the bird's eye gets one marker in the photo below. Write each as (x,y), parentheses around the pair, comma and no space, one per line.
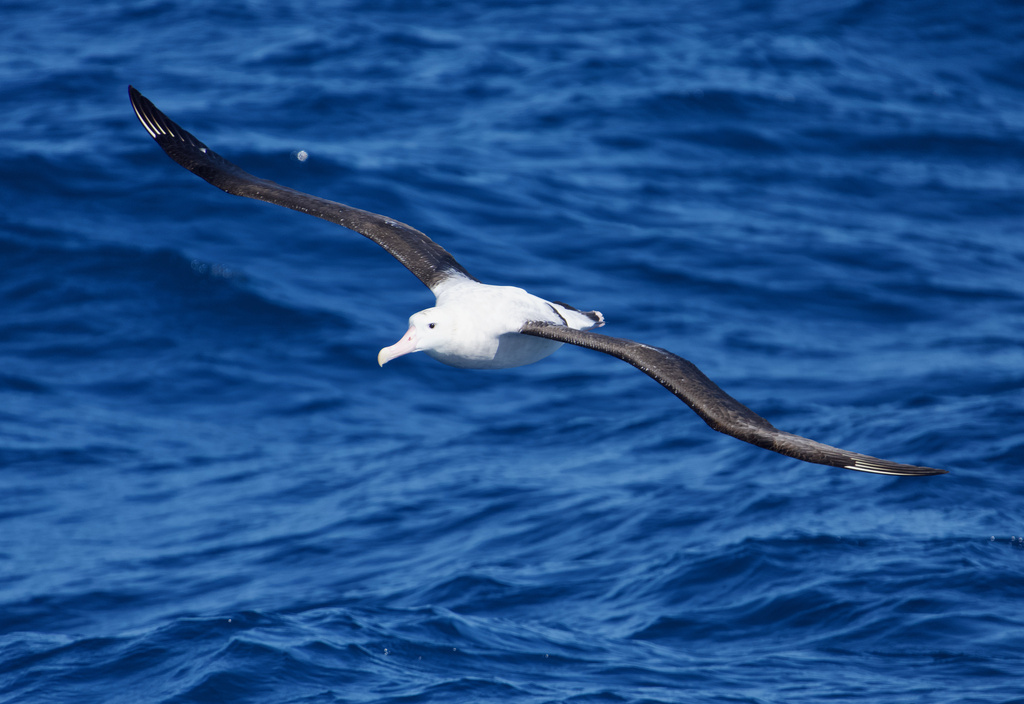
(432,325)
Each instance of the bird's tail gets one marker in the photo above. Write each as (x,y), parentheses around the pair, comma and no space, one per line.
(580,319)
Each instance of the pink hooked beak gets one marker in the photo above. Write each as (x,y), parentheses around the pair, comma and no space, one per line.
(404,346)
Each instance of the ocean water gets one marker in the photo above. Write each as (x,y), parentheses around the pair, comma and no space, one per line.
(209,492)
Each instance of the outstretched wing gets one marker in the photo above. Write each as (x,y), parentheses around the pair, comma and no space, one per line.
(430,262)
(718,409)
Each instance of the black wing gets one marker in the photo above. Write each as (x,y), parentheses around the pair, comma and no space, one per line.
(718,409)
(430,262)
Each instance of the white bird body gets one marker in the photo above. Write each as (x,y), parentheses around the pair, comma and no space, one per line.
(476,326)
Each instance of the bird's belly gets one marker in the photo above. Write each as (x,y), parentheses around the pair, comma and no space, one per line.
(513,350)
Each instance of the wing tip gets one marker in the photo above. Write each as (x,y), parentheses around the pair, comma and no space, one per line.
(180,144)
(142,106)
(895,469)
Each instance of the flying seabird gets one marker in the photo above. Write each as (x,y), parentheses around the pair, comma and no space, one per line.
(479,326)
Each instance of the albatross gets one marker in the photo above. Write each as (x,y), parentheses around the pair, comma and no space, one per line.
(474,325)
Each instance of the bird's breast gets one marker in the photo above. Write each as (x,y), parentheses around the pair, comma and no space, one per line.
(507,350)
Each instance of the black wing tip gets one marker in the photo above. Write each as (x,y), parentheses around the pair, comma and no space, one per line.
(148,114)
(893,469)
(874,465)
(167,133)
(183,147)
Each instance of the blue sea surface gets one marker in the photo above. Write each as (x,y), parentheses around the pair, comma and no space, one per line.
(209,491)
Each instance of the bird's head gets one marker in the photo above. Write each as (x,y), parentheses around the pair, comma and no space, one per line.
(429,330)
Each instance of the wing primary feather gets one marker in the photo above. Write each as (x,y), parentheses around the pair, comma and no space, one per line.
(430,262)
(717,408)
